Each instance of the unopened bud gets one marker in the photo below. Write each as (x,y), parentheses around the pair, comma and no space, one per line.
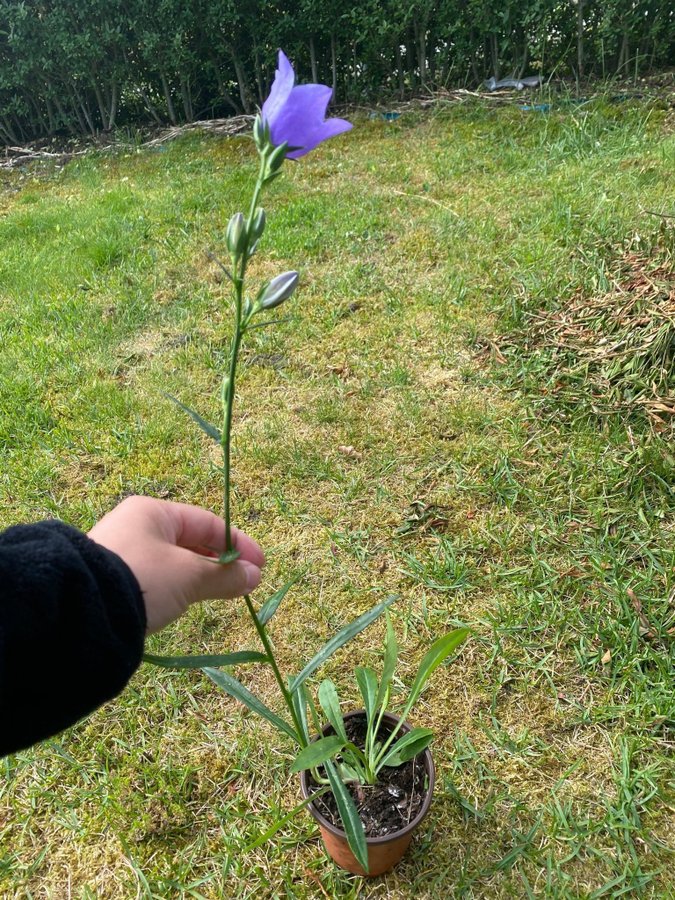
(261,132)
(276,158)
(278,290)
(257,224)
(235,236)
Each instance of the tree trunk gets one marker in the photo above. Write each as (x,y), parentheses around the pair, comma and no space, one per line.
(226,95)
(580,38)
(421,47)
(186,97)
(431,50)
(114,105)
(18,127)
(149,105)
(101,104)
(399,68)
(524,59)
(66,120)
(312,60)
(6,126)
(259,77)
(494,55)
(39,115)
(333,64)
(86,112)
(624,53)
(241,80)
(410,61)
(50,115)
(169,101)
(75,107)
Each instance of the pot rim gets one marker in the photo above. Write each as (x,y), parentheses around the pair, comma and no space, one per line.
(394,835)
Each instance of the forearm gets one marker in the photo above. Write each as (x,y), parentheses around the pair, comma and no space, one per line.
(72,626)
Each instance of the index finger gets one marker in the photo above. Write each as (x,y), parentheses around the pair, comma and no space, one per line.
(198,528)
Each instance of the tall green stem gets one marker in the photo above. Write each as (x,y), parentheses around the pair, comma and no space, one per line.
(227,397)
(267,644)
(227,391)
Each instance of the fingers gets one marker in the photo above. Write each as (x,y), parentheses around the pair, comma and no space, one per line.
(248,548)
(196,528)
(213,581)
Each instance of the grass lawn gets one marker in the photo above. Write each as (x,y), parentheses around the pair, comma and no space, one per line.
(408,430)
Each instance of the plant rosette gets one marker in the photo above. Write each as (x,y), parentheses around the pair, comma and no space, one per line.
(370,771)
(393,810)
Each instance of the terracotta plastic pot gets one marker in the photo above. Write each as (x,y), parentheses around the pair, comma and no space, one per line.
(383,852)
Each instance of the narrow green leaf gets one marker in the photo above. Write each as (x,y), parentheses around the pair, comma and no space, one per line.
(268,608)
(437,653)
(341,638)
(299,700)
(198,662)
(389,664)
(205,426)
(263,838)
(330,704)
(351,821)
(408,746)
(237,690)
(316,753)
(367,682)
(316,721)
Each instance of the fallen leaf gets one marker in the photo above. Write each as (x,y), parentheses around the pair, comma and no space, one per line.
(342,371)
(645,625)
(350,451)
(606,658)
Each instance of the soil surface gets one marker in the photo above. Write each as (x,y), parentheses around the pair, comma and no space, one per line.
(385,807)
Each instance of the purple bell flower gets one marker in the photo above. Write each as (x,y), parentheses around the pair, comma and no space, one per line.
(296,115)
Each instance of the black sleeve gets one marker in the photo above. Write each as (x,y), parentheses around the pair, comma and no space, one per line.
(72,626)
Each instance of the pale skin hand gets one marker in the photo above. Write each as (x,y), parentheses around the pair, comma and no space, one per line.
(166,546)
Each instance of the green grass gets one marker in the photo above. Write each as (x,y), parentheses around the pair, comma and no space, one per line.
(425,246)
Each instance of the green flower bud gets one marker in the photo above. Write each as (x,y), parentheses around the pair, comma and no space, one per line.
(261,132)
(278,290)
(276,159)
(257,225)
(236,236)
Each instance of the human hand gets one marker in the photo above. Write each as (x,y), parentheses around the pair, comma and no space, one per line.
(167,545)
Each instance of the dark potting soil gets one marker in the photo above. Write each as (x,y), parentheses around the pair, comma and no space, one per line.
(385,807)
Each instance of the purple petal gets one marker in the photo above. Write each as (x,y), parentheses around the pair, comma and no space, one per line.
(328,129)
(301,123)
(284,79)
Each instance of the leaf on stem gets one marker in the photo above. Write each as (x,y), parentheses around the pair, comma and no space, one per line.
(299,701)
(237,690)
(408,747)
(351,821)
(198,662)
(389,665)
(437,653)
(268,609)
(317,753)
(205,426)
(341,638)
(330,704)
(367,682)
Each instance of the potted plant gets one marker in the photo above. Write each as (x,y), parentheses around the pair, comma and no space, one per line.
(290,124)
(375,764)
